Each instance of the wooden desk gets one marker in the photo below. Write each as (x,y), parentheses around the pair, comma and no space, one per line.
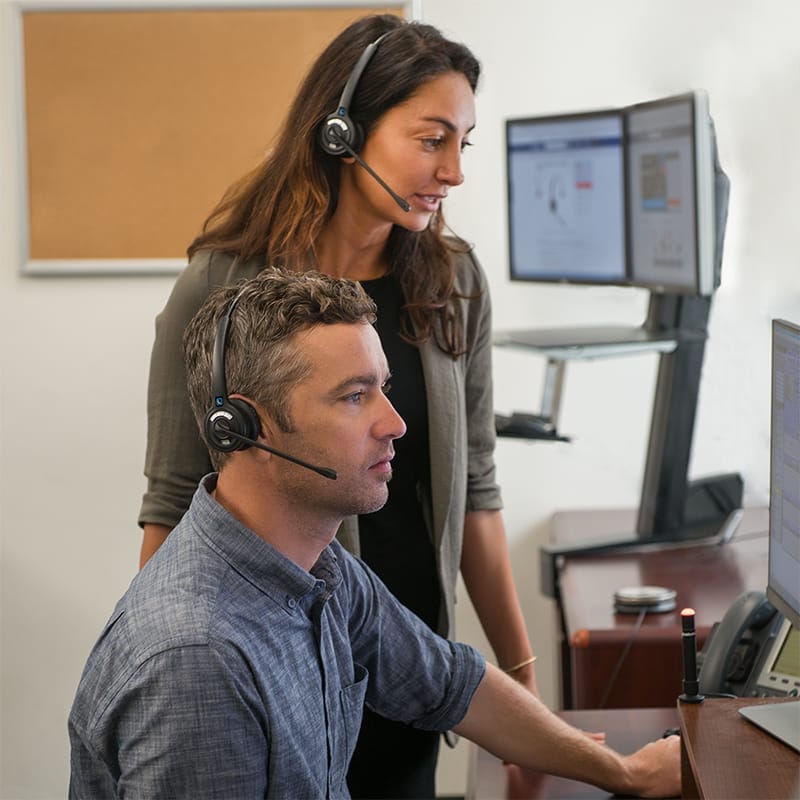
(626,730)
(707,578)
(725,757)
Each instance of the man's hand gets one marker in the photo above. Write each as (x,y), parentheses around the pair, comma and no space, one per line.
(656,768)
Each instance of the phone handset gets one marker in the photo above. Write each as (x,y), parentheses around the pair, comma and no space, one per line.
(732,642)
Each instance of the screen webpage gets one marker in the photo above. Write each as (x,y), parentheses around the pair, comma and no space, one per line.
(567,199)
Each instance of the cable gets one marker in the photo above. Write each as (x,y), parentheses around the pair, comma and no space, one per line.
(623,655)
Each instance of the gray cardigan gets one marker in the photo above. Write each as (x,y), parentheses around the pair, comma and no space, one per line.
(460,414)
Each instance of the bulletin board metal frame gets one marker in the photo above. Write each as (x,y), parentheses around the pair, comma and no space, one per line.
(85,184)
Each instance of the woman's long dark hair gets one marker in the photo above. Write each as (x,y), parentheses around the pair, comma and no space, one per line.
(280,208)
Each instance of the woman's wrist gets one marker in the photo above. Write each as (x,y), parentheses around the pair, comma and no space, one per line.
(521,665)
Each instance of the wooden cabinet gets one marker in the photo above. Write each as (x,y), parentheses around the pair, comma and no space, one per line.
(614,660)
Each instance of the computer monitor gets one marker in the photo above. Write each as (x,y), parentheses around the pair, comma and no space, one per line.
(782,720)
(618,196)
(566,198)
(671,214)
(783,587)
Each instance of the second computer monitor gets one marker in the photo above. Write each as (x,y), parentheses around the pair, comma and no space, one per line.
(671,194)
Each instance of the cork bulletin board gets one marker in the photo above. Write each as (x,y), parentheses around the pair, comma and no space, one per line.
(135,120)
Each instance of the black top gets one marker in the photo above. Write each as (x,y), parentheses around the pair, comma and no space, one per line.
(394,540)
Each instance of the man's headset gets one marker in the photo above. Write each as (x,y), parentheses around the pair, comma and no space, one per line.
(232,423)
(230,420)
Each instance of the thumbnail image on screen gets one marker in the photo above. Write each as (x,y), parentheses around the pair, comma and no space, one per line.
(566,198)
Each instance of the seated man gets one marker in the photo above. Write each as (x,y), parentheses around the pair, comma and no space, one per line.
(237,663)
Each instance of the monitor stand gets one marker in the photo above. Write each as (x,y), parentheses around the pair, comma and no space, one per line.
(781,720)
(672,509)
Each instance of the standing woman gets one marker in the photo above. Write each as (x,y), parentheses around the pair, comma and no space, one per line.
(398,97)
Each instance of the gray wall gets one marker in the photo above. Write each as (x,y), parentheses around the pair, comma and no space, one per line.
(74,352)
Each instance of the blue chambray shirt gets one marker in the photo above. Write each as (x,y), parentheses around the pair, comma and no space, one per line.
(228,671)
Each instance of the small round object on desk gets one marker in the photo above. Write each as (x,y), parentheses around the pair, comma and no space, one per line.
(653,599)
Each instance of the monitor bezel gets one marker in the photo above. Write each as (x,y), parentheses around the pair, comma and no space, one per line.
(587,116)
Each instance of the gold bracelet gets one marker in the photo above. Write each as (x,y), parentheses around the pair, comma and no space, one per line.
(519,666)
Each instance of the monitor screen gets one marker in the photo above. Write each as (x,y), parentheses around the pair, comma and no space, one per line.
(566,198)
(670,174)
(783,586)
(782,720)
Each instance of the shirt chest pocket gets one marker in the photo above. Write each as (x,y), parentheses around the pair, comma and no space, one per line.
(351,705)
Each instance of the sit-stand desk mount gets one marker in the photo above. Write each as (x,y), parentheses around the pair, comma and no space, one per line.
(560,345)
(672,508)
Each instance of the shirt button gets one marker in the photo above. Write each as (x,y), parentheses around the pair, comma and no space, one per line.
(291,602)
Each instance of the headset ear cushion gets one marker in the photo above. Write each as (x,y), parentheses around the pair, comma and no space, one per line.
(247,417)
(338,127)
(236,416)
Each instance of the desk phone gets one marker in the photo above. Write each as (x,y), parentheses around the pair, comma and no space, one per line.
(753,652)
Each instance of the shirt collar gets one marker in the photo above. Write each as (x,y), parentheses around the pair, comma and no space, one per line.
(257,561)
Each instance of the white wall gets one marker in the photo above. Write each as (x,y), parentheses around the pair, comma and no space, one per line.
(74,352)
